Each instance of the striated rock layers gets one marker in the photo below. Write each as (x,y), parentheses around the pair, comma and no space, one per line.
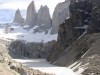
(31,15)
(71,29)
(18,18)
(73,38)
(61,12)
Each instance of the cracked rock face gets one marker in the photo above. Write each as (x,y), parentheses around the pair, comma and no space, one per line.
(31,15)
(67,33)
(61,12)
(18,18)
(43,17)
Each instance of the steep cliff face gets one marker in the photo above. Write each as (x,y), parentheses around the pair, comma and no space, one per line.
(73,38)
(18,18)
(80,13)
(74,27)
(43,17)
(31,15)
(20,49)
(94,25)
(65,37)
(89,60)
(61,12)
(43,22)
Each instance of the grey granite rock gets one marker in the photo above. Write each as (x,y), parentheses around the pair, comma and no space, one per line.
(31,15)
(43,17)
(18,18)
(61,12)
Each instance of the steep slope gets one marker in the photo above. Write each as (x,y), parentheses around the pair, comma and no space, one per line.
(94,25)
(31,15)
(73,27)
(10,67)
(4,60)
(74,42)
(18,18)
(89,62)
(77,49)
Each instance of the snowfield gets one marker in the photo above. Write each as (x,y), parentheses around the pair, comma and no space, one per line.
(21,33)
(44,66)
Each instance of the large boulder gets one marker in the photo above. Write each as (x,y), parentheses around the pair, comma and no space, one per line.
(18,18)
(43,17)
(31,15)
(61,12)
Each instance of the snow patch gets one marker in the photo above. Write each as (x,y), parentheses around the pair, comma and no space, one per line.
(22,33)
(83,27)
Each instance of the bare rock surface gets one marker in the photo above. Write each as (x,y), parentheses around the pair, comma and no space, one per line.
(18,18)
(31,15)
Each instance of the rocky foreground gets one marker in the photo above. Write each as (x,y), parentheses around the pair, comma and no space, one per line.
(10,67)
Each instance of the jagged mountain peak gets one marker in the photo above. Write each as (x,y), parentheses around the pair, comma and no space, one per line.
(31,4)
(43,19)
(61,12)
(18,17)
(31,15)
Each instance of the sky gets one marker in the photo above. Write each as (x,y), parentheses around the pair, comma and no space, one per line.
(23,4)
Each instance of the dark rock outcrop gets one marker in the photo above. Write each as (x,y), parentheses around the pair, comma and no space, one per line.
(65,37)
(19,49)
(31,15)
(94,25)
(80,13)
(18,18)
(72,28)
(90,60)
(73,38)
